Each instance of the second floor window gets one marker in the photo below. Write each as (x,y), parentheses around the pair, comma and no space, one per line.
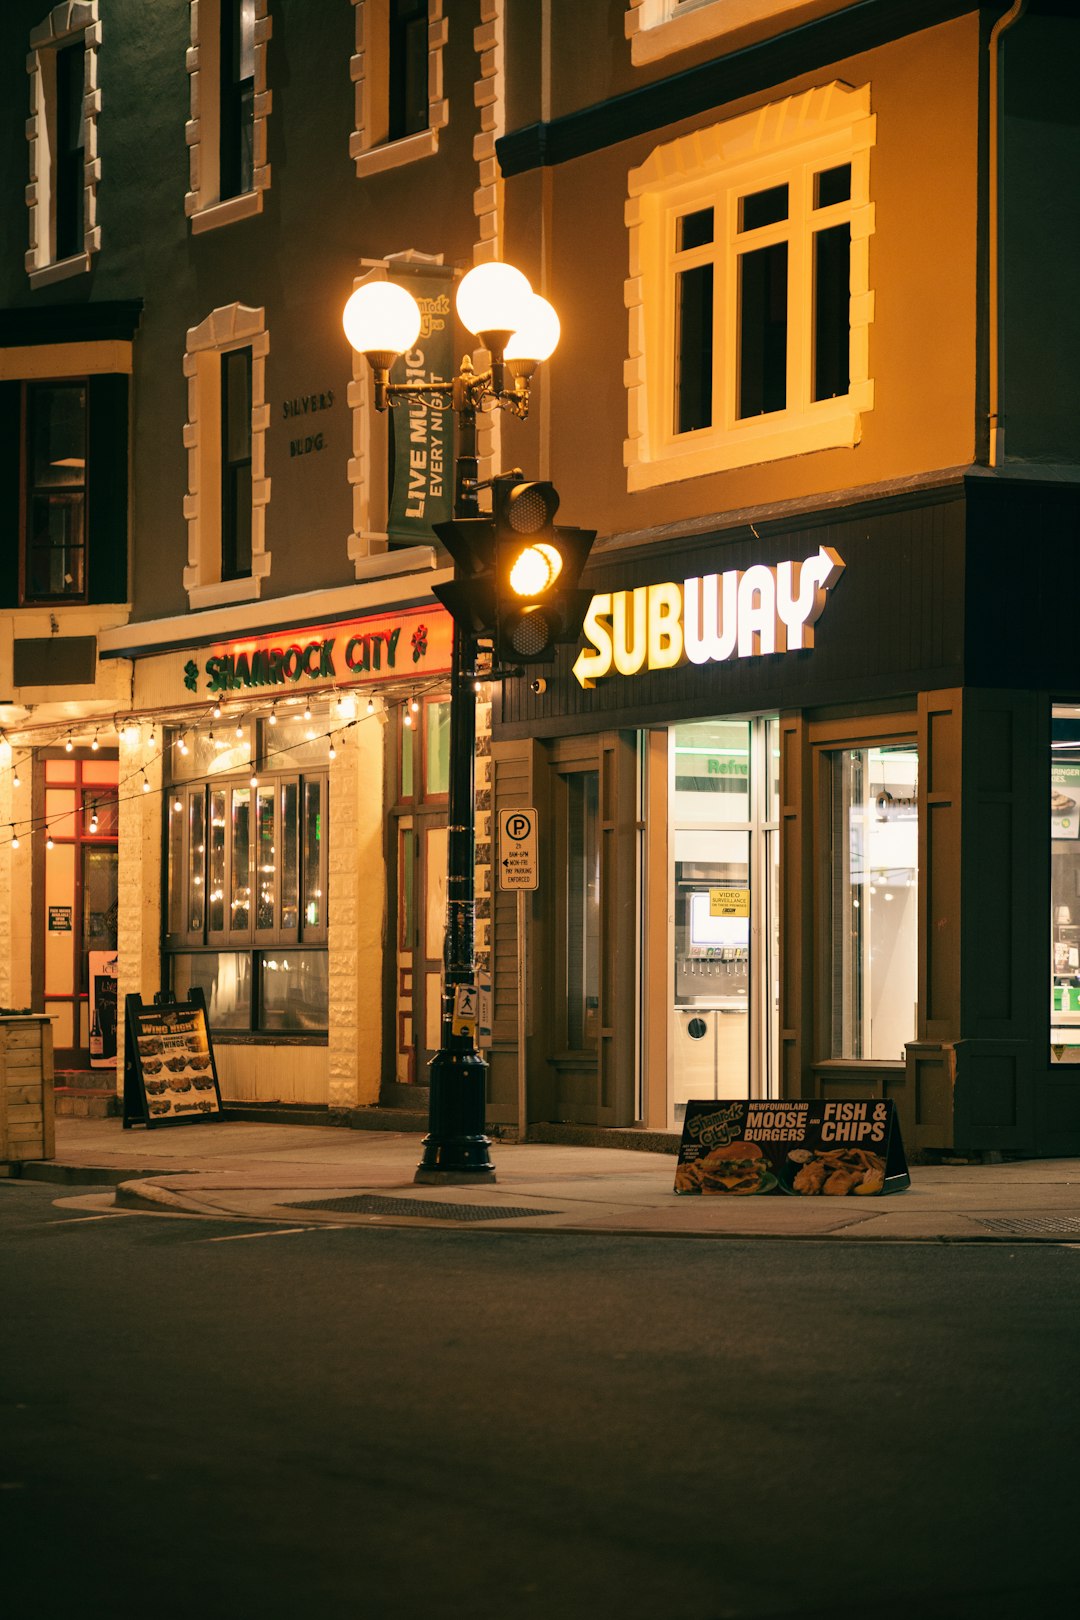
(236,464)
(54,563)
(237,103)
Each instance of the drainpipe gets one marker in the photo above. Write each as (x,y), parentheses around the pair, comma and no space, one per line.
(996,414)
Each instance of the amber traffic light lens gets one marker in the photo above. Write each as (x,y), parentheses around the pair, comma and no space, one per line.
(535,570)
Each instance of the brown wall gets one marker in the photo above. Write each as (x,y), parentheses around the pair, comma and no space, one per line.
(924,188)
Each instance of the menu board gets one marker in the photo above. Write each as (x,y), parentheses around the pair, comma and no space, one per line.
(170,1077)
(812,1149)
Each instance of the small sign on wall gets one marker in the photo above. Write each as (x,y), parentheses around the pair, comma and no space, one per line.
(59,919)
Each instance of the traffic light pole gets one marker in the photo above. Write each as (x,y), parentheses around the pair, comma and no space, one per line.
(456,1148)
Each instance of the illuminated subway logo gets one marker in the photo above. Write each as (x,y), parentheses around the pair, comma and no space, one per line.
(708,620)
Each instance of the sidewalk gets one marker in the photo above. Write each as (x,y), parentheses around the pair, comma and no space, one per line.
(312,1174)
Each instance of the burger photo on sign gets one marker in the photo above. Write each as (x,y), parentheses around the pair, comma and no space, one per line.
(737,1167)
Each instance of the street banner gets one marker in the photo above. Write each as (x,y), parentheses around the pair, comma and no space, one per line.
(808,1149)
(423,431)
(170,1077)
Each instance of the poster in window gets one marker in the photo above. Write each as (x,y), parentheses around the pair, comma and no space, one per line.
(103,969)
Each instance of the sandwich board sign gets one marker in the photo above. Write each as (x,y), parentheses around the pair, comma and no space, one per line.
(817,1148)
(170,1077)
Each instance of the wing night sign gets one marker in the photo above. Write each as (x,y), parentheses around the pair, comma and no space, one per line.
(517,850)
(707,620)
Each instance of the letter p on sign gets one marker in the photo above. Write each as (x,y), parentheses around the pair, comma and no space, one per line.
(517,850)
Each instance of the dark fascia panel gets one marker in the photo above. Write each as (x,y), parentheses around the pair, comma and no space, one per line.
(700,89)
(70,323)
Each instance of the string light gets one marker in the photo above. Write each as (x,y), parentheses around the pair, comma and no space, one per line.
(333,750)
(181,743)
(307,711)
(254,777)
(16,780)
(408,718)
(153,738)
(14,837)
(371,705)
(273,714)
(49,842)
(145,783)
(93,818)
(94,744)
(216,711)
(177,806)
(414,706)
(68,746)
(239,731)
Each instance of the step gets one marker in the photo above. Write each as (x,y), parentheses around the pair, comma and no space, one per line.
(80,1103)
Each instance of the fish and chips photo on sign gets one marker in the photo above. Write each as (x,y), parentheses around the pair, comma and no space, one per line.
(812,1149)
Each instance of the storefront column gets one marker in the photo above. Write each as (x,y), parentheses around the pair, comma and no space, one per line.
(139,879)
(356,909)
(15,906)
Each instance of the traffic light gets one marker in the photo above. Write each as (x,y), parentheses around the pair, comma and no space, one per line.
(470,597)
(537,565)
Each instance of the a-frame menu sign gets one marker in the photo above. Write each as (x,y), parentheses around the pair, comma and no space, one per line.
(170,1077)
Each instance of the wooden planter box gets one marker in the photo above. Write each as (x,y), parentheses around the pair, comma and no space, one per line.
(26,1089)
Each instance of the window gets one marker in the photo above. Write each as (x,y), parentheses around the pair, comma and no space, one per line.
(63,485)
(247,876)
(749,319)
(873,941)
(398,73)
(64,166)
(1065,884)
(230,107)
(236,464)
(55,553)
(656,28)
(225,435)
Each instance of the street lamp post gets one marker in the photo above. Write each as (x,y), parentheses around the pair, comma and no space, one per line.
(518,329)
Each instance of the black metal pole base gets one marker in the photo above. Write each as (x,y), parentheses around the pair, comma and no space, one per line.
(456,1149)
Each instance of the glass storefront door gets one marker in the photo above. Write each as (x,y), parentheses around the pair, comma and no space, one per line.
(723,809)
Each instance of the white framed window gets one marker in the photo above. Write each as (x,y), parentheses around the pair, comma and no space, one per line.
(62,134)
(230,105)
(658,28)
(225,438)
(398,74)
(749,300)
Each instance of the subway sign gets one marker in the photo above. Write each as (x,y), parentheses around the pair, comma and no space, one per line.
(708,620)
(416,641)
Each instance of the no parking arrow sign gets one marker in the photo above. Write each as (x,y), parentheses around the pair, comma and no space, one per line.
(517,850)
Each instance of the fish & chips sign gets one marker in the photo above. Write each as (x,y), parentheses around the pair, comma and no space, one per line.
(707,620)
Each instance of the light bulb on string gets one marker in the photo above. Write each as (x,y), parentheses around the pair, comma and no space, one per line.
(16,779)
(307,711)
(414,706)
(332,754)
(68,746)
(273,714)
(216,711)
(239,731)
(254,777)
(14,838)
(49,842)
(94,745)
(145,783)
(93,818)
(177,806)
(181,743)
(153,738)
(371,705)
(408,718)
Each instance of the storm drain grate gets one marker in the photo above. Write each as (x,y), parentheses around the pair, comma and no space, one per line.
(1036,1226)
(369,1204)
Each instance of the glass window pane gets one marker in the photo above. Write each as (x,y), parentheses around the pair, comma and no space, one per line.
(290,855)
(1065,885)
(213,750)
(100,812)
(408,744)
(437,748)
(176,875)
(224,977)
(100,892)
(58,436)
(694,230)
(763,208)
(832,311)
(197,862)
(874,891)
(763,323)
(265,857)
(407,68)
(583,910)
(216,876)
(693,348)
(314,914)
(712,771)
(293,990)
(832,186)
(294,743)
(407,885)
(240,896)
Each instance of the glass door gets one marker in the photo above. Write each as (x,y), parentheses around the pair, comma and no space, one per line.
(723,807)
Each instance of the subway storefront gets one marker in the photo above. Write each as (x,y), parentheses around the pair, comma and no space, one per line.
(794,792)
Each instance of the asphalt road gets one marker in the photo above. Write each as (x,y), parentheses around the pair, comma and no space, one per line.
(219,1418)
